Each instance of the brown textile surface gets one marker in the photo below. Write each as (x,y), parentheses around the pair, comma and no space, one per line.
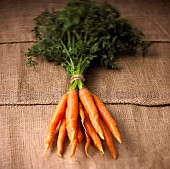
(145,132)
(137,95)
(144,81)
(16,23)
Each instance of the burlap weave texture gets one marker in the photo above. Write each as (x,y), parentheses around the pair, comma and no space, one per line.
(144,81)
(145,132)
(137,94)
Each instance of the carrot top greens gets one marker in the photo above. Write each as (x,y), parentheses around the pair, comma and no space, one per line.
(83,34)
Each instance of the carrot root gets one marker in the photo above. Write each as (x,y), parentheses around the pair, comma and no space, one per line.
(58,115)
(88,103)
(46,149)
(73,147)
(92,133)
(61,137)
(107,118)
(72,115)
(88,142)
(95,119)
(108,139)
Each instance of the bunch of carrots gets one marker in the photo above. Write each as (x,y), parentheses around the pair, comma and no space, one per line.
(80,114)
(82,35)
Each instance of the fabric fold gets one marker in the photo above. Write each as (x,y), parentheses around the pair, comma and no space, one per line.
(141,81)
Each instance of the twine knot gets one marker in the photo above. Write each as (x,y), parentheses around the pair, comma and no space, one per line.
(76,77)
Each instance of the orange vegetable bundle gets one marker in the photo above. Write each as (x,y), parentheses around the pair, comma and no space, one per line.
(82,114)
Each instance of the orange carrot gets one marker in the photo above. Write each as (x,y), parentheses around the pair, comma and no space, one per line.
(103,112)
(88,103)
(108,139)
(107,118)
(81,112)
(92,133)
(80,133)
(58,115)
(88,142)
(72,115)
(73,147)
(61,137)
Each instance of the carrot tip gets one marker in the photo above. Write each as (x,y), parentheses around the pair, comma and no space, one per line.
(87,154)
(59,154)
(115,157)
(71,155)
(72,140)
(82,121)
(101,150)
(46,149)
(101,136)
(119,140)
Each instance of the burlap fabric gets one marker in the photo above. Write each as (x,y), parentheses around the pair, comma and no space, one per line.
(145,132)
(137,94)
(139,80)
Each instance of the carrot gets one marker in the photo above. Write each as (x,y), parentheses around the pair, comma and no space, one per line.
(88,142)
(72,115)
(77,140)
(73,147)
(88,102)
(61,137)
(80,133)
(103,112)
(81,112)
(58,115)
(107,118)
(108,139)
(92,133)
